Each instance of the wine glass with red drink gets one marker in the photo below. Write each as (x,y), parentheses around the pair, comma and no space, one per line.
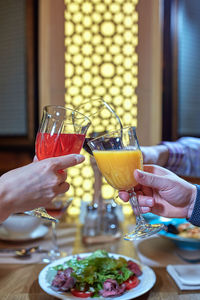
(62,131)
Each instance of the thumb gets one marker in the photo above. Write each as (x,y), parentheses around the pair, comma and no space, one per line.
(150,180)
(66,161)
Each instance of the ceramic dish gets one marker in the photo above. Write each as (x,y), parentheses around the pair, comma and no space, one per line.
(38,233)
(21,224)
(147,281)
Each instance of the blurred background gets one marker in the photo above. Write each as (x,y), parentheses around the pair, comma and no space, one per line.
(141,56)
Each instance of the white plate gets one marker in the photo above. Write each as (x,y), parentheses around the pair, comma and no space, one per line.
(147,280)
(39,232)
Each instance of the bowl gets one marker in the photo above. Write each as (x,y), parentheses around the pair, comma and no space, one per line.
(179,241)
(21,224)
(150,217)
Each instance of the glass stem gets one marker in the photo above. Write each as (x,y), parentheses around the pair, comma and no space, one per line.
(54,238)
(136,208)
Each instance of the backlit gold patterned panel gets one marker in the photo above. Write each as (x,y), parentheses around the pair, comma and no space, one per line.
(100,61)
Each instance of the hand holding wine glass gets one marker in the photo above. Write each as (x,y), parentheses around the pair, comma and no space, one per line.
(163,193)
(35,184)
(62,131)
(117,155)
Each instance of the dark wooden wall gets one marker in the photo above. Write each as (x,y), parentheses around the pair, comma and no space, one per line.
(18,149)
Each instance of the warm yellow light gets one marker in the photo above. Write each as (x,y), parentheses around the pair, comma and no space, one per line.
(107,70)
(107,28)
(107,191)
(100,60)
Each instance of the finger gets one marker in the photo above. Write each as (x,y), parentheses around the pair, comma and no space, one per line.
(63,162)
(138,187)
(147,191)
(63,188)
(144,190)
(124,196)
(151,180)
(157,170)
(145,201)
(145,209)
(61,177)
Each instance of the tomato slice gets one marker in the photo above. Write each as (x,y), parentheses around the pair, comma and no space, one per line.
(132,282)
(80,294)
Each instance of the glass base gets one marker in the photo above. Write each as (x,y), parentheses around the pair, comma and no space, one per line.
(53,255)
(144,230)
(41,213)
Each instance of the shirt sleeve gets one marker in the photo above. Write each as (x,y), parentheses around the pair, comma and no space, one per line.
(184,156)
(195,217)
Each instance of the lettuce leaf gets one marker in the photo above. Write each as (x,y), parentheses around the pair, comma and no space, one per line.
(94,270)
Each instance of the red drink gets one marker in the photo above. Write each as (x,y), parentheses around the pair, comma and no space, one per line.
(56,212)
(48,145)
(58,207)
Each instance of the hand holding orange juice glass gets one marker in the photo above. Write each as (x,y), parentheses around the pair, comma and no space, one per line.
(117,155)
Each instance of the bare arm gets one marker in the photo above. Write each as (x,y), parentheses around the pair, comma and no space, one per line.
(34,185)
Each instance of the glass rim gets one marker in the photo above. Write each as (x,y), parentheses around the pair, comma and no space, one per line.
(111,132)
(103,104)
(65,109)
(100,99)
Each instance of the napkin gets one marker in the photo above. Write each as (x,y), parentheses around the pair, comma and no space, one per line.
(187,277)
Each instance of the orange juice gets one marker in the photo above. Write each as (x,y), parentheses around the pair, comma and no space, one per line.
(117,166)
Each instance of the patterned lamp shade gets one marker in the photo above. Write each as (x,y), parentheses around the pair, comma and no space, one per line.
(100,61)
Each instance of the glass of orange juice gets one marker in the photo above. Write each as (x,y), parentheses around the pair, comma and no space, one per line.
(117,155)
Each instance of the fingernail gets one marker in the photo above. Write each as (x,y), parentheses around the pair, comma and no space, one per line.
(79,158)
(140,174)
(145,209)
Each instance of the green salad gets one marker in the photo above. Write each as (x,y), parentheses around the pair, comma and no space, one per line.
(95,275)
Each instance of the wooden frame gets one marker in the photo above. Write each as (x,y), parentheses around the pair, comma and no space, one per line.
(149,88)
(51,53)
(170,70)
(27,140)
